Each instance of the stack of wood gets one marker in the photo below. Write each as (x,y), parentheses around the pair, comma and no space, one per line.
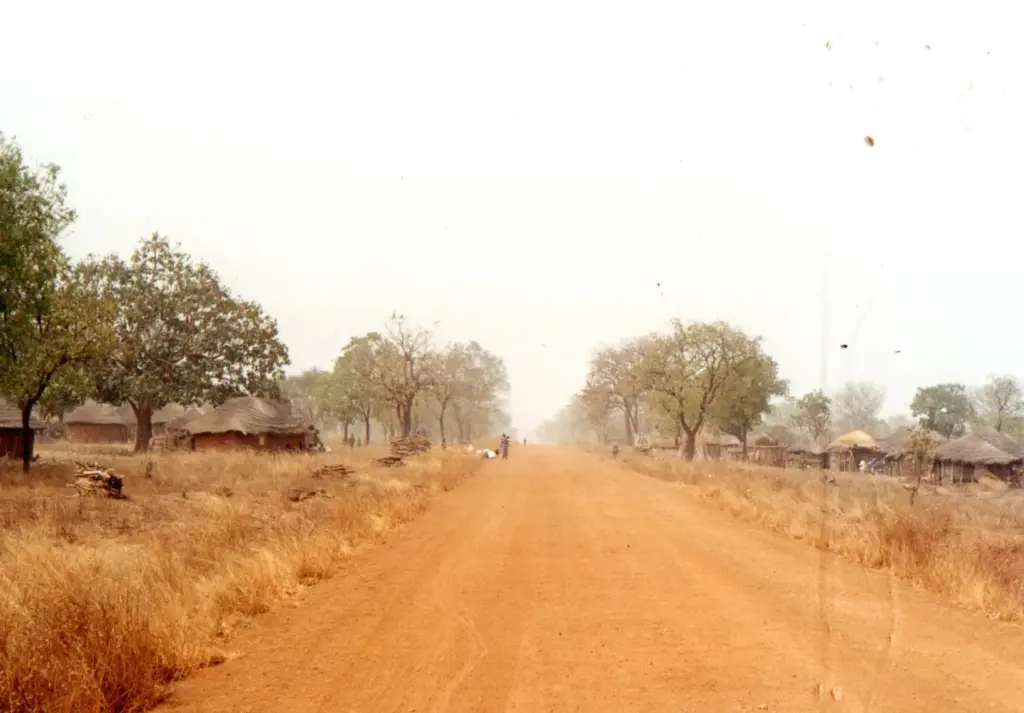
(94,479)
(410,446)
(338,470)
(389,461)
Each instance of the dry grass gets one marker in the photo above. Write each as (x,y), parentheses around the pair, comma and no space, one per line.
(103,602)
(966,543)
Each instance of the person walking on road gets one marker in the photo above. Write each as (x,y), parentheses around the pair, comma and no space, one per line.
(504,447)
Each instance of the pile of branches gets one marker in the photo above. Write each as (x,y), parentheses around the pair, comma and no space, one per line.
(410,446)
(338,470)
(389,461)
(94,479)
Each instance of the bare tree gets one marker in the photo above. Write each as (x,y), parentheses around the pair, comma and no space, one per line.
(1000,403)
(857,405)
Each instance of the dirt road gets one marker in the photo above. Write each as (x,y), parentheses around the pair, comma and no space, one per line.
(558,582)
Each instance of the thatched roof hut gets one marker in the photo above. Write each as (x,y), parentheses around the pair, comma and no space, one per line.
(100,423)
(898,444)
(10,430)
(1005,443)
(249,422)
(853,440)
(974,450)
(958,459)
(805,454)
(846,452)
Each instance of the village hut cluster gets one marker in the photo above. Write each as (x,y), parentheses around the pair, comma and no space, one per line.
(906,452)
(240,423)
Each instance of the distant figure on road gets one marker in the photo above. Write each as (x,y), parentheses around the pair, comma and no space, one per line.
(615,450)
(524,443)
(504,446)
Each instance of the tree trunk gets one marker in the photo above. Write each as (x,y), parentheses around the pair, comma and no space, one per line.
(27,436)
(346,431)
(366,422)
(143,426)
(690,448)
(743,441)
(405,413)
(440,424)
(629,427)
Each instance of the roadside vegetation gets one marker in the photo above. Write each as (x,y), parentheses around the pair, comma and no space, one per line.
(966,544)
(106,601)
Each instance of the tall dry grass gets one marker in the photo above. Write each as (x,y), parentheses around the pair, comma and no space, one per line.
(965,543)
(103,602)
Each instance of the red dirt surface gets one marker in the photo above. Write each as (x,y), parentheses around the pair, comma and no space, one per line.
(558,582)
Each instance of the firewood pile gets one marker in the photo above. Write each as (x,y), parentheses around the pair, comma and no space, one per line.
(410,446)
(94,479)
(389,461)
(337,470)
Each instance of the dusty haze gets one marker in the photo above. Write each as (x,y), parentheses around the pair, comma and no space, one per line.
(527,176)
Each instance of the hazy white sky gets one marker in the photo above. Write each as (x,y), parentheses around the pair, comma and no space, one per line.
(525,173)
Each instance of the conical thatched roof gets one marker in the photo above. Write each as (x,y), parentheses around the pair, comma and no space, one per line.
(247,415)
(853,439)
(10,417)
(899,442)
(94,413)
(1003,442)
(973,449)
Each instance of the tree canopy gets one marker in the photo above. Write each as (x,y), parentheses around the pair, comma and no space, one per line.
(814,414)
(51,323)
(857,406)
(944,408)
(180,335)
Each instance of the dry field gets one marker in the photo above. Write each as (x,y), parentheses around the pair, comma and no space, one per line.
(963,542)
(103,602)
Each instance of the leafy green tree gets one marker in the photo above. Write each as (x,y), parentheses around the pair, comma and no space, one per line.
(618,372)
(353,378)
(747,398)
(50,323)
(479,402)
(313,394)
(181,336)
(813,414)
(693,366)
(944,408)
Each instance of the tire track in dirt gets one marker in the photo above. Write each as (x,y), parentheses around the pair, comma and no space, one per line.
(558,582)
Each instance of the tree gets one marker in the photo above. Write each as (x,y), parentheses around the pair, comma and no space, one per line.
(402,368)
(49,321)
(451,379)
(857,405)
(618,372)
(596,411)
(480,394)
(746,399)
(944,408)
(692,367)
(353,377)
(814,414)
(312,395)
(181,337)
(1000,403)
